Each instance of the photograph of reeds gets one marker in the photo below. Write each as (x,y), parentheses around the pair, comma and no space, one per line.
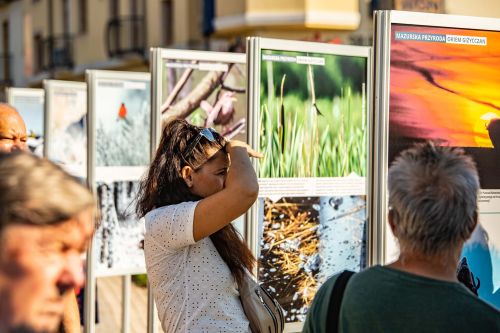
(119,239)
(68,128)
(312,116)
(305,241)
(123,117)
(30,105)
(207,94)
(447,92)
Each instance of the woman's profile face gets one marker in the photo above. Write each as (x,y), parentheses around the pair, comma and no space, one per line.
(211,176)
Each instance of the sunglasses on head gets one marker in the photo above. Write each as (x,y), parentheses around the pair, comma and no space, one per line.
(207,133)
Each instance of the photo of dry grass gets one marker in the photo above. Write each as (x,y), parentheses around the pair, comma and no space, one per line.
(306,240)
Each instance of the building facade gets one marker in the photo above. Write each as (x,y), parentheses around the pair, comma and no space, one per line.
(60,39)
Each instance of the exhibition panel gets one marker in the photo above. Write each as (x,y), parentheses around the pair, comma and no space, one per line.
(310,119)
(207,89)
(437,79)
(119,140)
(29,102)
(66,125)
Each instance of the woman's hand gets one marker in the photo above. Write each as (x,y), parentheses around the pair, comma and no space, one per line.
(240,144)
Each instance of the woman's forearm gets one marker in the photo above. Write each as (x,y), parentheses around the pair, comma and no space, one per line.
(241,176)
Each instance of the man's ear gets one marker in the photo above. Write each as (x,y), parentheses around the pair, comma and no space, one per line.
(390,217)
(475,217)
(187,175)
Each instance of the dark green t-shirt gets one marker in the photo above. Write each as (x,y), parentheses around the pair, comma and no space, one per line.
(382,299)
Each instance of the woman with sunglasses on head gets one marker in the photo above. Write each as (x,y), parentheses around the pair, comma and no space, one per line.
(197,184)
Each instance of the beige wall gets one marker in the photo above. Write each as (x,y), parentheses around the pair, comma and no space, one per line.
(90,46)
(275,6)
(195,20)
(230,7)
(486,8)
(39,17)
(333,6)
(286,14)
(181,24)
(154,23)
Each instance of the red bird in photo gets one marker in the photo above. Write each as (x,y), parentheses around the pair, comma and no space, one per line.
(122,112)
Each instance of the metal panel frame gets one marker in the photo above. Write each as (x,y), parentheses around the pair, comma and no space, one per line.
(255,45)
(92,76)
(11,91)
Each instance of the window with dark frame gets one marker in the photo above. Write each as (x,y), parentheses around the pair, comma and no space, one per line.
(167,8)
(82,16)
(38,53)
(6,52)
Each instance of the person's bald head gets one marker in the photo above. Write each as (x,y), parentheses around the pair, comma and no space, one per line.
(12,129)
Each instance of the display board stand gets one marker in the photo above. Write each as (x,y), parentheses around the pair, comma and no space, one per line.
(308,176)
(433,73)
(126,98)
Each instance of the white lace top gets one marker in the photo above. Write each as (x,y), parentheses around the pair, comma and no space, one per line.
(192,285)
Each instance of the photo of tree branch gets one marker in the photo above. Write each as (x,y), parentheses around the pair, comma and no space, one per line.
(205,95)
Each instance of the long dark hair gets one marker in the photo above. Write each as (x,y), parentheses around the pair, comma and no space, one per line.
(164,186)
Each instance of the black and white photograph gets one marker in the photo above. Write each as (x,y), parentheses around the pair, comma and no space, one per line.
(119,239)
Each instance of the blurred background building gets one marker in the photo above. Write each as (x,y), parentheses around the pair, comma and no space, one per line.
(60,39)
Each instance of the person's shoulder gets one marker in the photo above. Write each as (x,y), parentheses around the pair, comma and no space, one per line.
(172,213)
(170,209)
(483,307)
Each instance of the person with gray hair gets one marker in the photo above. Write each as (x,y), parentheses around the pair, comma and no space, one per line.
(46,223)
(433,195)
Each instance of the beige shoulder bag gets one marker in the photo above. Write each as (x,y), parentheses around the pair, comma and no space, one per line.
(262,310)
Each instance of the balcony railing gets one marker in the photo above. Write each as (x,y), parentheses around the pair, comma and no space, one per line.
(57,53)
(126,35)
(6,72)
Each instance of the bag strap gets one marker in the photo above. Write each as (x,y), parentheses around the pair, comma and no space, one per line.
(332,321)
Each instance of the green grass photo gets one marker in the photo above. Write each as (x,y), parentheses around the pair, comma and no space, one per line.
(313,117)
